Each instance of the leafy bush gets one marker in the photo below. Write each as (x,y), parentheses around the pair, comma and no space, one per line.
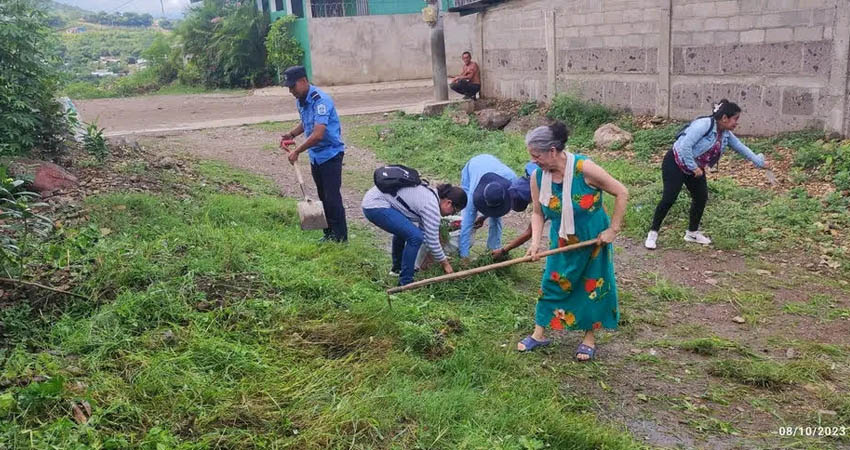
(18,221)
(842,180)
(94,142)
(283,50)
(227,43)
(582,118)
(29,114)
(527,108)
(164,62)
(655,140)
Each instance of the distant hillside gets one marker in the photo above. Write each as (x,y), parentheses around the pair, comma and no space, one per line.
(71,12)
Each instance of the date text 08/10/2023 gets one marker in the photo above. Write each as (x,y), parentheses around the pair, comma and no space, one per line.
(813,431)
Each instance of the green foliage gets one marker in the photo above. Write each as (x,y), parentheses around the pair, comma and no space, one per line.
(424,142)
(94,142)
(19,223)
(210,318)
(162,60)
(582,118)
(81,52)
(227,43)
(126,19)
(527,108)
(29,114)
(283,50)
(670,292)
(829,161)
(653,141)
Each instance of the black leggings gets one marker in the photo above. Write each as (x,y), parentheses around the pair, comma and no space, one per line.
(674,178)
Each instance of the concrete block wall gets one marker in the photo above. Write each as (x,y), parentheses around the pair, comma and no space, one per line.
(772,57)
(370,49)
(784,61)
(515,54)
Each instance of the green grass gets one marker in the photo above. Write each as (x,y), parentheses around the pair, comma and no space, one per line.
(711,346)
(819,306)
(437,147)
(277,127)
(216,322)
(747,220)
(669,292)
(770,374)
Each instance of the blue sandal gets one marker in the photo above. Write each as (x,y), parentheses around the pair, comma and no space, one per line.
(584,349)
(530,343)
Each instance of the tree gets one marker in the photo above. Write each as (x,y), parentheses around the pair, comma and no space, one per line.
(226,41)
(283,50)
(29,114)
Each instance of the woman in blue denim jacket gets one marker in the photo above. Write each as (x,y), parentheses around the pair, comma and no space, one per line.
(698,147)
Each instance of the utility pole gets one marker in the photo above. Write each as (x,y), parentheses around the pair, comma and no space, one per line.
(162,5)
(434,18)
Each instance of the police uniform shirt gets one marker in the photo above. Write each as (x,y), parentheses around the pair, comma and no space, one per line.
(318,108)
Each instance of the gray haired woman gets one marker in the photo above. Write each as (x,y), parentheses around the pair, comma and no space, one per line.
(578,290)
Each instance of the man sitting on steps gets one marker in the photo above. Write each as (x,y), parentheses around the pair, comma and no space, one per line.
(468,82)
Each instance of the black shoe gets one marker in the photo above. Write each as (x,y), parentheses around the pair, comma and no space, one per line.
(332,238)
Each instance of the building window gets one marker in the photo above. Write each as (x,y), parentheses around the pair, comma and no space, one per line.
(339,8)
(298,8)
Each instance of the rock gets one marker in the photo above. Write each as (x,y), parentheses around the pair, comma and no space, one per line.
(50,177)
(81,412)
(436,108)
(738,319)
(763,272)
(790,353)
(459,117)
(635,351)
(610,135)
(492,119)
(711,281)
(166,162)
(168,336)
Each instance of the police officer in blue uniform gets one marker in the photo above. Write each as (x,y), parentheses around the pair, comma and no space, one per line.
(320,123)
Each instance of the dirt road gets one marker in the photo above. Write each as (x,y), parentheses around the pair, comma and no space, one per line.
(165,113)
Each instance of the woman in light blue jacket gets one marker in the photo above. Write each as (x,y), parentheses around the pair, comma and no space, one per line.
(699,146)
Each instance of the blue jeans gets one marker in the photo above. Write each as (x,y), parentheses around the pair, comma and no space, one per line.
(407,238)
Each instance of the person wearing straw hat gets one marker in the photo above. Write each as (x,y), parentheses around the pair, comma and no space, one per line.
(578,290)
(487,182)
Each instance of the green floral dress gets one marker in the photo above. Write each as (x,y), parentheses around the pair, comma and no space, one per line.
(578,290)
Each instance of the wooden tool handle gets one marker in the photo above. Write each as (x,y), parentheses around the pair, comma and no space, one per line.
(487,268)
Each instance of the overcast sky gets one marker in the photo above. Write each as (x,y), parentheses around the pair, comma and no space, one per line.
(173,8)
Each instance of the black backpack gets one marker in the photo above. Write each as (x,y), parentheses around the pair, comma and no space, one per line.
(389,179)
(710,127)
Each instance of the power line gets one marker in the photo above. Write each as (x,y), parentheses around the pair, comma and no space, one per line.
(121,6)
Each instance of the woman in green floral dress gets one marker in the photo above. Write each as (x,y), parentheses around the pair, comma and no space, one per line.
(578,290)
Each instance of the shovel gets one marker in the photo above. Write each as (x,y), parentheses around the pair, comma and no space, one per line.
(311,213)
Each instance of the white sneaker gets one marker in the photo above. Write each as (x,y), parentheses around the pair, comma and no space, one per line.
(650,240)
(697,237)
(393,273)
